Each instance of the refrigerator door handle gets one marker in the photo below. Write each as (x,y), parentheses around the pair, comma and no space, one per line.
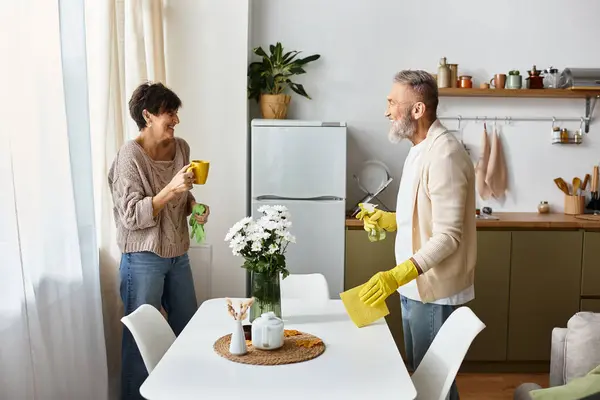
(318,198)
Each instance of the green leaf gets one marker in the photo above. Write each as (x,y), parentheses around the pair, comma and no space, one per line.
(308,59)
(260,52)
(286,56)
(297,71)
(298,88)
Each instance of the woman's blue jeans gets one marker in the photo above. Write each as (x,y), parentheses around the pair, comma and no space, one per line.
(147,278)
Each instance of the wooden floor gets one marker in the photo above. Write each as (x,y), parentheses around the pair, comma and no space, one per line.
(473,386)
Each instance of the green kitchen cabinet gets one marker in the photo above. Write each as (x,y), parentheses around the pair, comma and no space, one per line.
(590,305)
(590,271)
(363,260)
(492,275)
(545,285)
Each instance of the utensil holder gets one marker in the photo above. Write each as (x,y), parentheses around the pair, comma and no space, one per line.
(574,205)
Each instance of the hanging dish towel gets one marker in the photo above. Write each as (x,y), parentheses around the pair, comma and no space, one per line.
(482,167)
(496,177)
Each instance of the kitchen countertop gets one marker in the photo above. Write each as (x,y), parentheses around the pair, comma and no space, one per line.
(524,220)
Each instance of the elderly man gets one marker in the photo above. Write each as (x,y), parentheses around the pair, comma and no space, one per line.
(436,246)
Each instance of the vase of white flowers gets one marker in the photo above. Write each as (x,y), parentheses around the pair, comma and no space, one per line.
(262,243)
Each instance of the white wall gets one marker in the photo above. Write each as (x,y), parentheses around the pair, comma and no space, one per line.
(363,43)
(207,56)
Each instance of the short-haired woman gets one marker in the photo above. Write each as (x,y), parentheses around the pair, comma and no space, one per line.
(150,190)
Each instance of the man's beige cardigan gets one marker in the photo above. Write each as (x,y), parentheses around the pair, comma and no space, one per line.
(444,236)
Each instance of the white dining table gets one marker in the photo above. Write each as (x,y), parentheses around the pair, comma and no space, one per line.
(358,363)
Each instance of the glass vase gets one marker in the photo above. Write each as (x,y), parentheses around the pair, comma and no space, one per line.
(265,288)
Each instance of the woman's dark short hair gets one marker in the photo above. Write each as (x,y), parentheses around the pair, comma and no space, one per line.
(156,98)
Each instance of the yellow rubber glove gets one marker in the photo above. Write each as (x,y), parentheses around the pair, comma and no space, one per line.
(376,220)
(383,284)
(380,220)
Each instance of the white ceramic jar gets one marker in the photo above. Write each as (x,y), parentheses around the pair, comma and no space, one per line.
(267,332)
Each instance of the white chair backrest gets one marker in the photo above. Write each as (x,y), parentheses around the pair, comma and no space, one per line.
(311,287)
(436,372)
(151,332)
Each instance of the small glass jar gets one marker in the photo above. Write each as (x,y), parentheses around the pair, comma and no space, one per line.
(564,135)
(577,137)
(556,135)
(551,78)
(543,207)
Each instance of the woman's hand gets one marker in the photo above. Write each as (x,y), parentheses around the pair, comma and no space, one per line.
(201,219)
(182,181)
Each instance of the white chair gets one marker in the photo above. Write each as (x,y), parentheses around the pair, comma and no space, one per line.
(310,287)
(151,332)
(439,366)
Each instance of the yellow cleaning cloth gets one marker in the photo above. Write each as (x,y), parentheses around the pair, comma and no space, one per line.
(360,313)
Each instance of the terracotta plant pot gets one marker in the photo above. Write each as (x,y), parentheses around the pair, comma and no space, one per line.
(274,106)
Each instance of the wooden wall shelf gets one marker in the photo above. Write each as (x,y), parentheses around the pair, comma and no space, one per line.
(520,93)
(590,96)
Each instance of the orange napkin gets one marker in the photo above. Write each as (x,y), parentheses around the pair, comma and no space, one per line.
(481,169)
(360,313)
(496,177)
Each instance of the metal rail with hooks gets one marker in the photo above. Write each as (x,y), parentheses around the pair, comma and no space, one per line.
(590,104)
(583,120)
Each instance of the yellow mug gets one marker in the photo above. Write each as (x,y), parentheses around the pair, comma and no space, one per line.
(200,169)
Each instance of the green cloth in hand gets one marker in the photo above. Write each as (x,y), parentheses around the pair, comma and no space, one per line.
(197,229)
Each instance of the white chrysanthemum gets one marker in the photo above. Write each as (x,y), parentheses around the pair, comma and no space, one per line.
(288,237)
(280,208)
(237,227)
(267,223)
(256,246)
(273,248)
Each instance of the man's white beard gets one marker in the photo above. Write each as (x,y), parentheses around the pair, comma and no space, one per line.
(404,128)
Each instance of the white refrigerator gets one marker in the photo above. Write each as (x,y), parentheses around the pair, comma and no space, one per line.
(302,166)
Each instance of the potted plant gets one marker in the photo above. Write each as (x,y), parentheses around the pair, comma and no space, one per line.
(514,80)
(262,243)
(269,79)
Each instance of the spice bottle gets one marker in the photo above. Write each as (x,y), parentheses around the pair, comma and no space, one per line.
(443,76)
(556,134)
(564,135)
(577,136)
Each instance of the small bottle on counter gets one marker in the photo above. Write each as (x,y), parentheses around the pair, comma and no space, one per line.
(556,134)
(564,135)
(543,207)
(577,137)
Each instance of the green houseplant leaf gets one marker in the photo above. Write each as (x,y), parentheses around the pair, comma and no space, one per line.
(273,73)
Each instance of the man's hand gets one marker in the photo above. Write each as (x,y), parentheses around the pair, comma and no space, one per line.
(376,220)
(383,284)
(380,220)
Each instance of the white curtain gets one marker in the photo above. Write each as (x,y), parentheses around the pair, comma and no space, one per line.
(125,48)
(51,339)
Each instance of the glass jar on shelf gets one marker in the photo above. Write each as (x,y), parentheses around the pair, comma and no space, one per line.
(551,78)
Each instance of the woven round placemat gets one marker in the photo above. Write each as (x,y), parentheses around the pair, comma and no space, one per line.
(297,347)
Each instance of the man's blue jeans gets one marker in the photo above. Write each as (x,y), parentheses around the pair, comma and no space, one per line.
(147,278)
(420,323)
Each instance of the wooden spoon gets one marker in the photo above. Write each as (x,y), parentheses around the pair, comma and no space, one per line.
(586,180)
(562,185)
(576,185)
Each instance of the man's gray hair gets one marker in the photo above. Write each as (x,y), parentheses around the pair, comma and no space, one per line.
(424,86)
